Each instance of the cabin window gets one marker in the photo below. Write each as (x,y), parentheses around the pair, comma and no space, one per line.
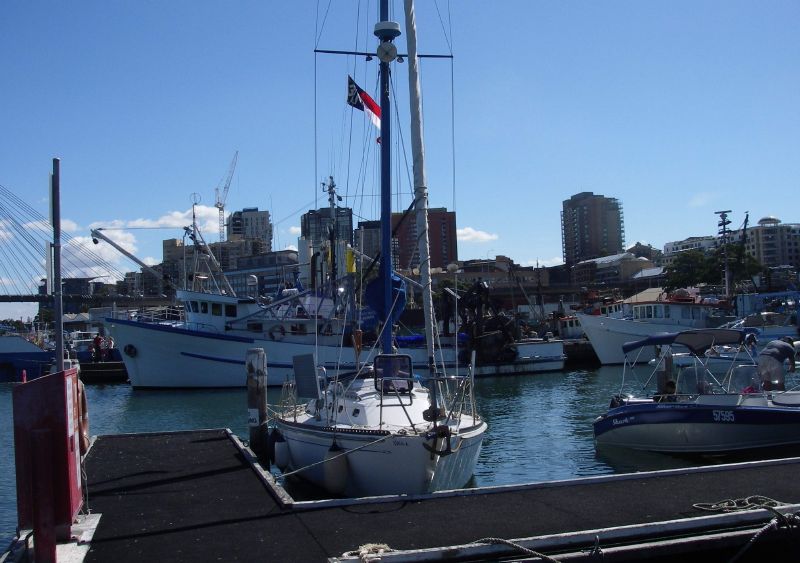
(216,309)
(636,312)
(649,311)
(204,307)
(230,310)
(666,311)
(695,313)
(685,313)
(195,306)
(255,327)
(658,311)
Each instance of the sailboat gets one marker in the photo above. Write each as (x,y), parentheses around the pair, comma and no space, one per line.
(382,430)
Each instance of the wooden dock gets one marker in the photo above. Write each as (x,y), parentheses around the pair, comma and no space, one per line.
(201,496)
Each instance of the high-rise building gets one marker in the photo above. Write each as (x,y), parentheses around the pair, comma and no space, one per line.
(441,237)
(367,238)
(771,242)
(592,226)
(315,225)
(251,224)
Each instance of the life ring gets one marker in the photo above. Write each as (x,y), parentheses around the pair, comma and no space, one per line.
(130,350)
(83,419)
(277,332)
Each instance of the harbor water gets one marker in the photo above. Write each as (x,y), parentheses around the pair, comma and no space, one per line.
(540,427)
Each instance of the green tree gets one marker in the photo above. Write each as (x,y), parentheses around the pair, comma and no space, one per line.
(689,268)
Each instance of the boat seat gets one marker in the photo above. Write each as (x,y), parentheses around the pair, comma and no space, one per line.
(306,380)
(787,399)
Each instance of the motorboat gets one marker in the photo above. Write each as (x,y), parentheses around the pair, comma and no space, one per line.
(383,429)
(689,410)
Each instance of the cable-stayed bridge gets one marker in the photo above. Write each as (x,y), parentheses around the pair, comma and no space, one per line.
(25,239)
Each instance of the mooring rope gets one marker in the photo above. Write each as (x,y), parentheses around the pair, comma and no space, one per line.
(754,502)
(523,549)
(346,452)
(369,552)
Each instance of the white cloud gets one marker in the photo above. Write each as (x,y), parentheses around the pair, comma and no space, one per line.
(294,231)
(701,199)
(69,226)
(207,220)
(468,234)
(290,247)
(150,261)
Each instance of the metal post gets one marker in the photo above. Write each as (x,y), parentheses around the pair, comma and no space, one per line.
(723,225)
(257,399)
(58,310)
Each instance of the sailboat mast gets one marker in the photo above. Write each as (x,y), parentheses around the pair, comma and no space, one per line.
(420,180)
(386,31)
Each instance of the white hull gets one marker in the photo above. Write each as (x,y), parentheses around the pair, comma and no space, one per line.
(171,357)
(401,461)
(608,334)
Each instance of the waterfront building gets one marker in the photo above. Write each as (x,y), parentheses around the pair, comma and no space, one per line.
(647,251)
(772,242)
(441,236)
(703,244)
(251,224)
(591,226)
(269,271)
(609,270)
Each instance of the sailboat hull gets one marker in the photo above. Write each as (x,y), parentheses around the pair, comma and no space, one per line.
(403,463)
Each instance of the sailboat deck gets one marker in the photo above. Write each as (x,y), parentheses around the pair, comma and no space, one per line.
(196,496)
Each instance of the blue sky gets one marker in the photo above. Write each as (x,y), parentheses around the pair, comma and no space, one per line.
(679,109)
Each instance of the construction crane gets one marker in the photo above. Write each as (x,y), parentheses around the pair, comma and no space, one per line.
(221,193)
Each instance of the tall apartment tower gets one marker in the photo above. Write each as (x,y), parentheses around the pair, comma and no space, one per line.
(251,224)
(591,226)
(441,237)
(315,225)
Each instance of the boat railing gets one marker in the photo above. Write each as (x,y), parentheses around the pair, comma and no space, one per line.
(150,315)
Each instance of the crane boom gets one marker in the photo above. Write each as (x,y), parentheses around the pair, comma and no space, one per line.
(222,195)
(96,234)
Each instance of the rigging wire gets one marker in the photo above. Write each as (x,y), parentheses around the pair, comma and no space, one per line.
(24,259)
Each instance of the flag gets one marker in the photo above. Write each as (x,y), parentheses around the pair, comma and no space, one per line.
(359,99)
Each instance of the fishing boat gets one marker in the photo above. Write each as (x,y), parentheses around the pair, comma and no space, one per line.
(383,429)
(652,312)
(689,410)
(204,342)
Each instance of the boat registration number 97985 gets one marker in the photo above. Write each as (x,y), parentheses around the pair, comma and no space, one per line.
(723,416)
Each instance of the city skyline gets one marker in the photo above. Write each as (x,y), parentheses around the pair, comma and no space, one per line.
(678,110)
